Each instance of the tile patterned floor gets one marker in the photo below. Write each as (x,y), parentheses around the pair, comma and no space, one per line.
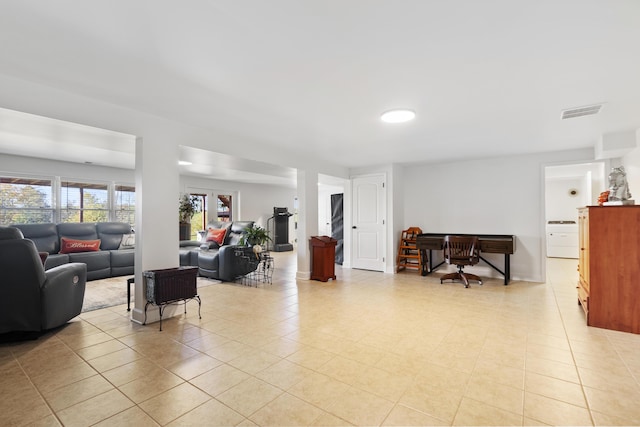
(367,349)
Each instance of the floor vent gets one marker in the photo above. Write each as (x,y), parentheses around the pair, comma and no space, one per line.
(587,110)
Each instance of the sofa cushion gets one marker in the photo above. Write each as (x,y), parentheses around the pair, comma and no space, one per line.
(45,236)
(98,263)
(216,235)
(236,232)
(219,224)
(78,230)
(122,257)
(122,262)
(68,246)
(128,241)
(54,260)
(111,234)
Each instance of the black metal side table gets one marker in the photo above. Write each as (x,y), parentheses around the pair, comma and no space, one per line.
(130,280)
(265,268)
(264,271)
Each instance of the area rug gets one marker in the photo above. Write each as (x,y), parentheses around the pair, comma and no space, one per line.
(113,291)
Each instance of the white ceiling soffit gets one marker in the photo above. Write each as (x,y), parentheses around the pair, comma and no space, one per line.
(23,134)
(30,135)
(572,171)
(225,167)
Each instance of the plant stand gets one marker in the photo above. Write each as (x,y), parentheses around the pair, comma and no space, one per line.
(264,272)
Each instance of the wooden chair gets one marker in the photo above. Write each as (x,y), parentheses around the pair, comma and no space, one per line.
(461,251)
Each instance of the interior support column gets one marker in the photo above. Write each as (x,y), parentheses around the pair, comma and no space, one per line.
(307,219)
(156,229)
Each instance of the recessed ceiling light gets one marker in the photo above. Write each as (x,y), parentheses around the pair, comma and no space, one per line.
(184,163)
(397,116)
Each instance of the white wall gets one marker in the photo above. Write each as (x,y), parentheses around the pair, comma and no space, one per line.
(631,163)
(561,204)
(492,196)
(588,179)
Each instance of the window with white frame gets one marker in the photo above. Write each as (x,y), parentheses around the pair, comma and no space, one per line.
(25,200)
(125,203)
(84,202)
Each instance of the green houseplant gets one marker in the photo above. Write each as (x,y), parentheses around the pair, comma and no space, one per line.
(255,235)
(187,206)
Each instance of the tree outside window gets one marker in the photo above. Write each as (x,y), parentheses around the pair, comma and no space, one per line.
(25,201)
(84,202)
(125,204)
(199,219)
(224,207)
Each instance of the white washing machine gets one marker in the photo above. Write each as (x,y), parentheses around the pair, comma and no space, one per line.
(562,239)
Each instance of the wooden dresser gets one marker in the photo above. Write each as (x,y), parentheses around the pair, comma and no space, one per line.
(609,266)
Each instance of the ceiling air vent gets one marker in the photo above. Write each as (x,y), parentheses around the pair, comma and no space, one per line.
(587,110)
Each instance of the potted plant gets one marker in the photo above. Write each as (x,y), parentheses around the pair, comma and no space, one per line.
(255,235)
(186,209)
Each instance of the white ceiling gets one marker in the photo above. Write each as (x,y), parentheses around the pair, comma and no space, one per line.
(486,78)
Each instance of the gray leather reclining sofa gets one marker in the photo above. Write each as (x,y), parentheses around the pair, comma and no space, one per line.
(224,262)
(109,261)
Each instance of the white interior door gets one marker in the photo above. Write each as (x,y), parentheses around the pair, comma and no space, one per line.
(368,226)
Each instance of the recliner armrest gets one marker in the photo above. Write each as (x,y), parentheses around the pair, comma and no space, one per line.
(62,294)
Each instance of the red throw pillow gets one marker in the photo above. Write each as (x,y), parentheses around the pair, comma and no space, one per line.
(68,246)
(216,235)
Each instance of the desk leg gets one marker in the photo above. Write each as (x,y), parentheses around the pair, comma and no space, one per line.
(424,262)
(507,269)
(430,261)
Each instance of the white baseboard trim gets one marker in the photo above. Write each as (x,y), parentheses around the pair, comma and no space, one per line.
(303,275)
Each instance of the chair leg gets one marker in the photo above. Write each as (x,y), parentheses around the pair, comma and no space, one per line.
(461,276)
(464,280)
(469,276)
(450,276)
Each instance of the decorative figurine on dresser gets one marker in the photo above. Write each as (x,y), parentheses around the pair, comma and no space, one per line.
(618,188)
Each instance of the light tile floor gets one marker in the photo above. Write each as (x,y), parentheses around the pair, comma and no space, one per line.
(366,349)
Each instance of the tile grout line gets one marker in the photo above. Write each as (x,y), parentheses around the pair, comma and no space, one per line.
(575,365)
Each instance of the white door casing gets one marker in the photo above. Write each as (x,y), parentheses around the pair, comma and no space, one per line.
(369,222)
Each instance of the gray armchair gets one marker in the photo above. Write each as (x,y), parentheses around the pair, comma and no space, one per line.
(32,299)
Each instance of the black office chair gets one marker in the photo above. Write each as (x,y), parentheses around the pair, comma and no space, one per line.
(461,251)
